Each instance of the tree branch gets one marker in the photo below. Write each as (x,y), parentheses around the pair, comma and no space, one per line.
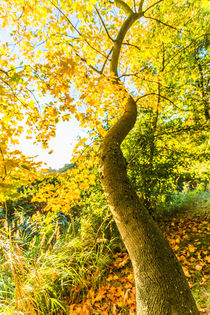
(132,18)
(66,17)
(158,94)
(179,51)
(152,5)
(145,95)
(76,29)
(188,128)
(5,72)
(134,5)
(131,74)
(85,60)
(106,30)
(132,45)
(107,58)
(124,6)
(140,6)
(151,18)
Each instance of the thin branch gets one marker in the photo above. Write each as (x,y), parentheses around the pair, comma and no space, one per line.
(84,60)
(188,128)
(98,51)
(145,95)
(134,5)
(102,21)
(5,82)
(66,17)
(131,74)
(76,29)
(164,97)
(140,6)
(166,133)
(151,18)
(5,72)
(153,81)
(177,53)
(12,69)
(32,93)
(56,34)
(107,58)
(132,45)
(152,5)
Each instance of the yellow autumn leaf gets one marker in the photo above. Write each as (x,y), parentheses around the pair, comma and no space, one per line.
(191,248)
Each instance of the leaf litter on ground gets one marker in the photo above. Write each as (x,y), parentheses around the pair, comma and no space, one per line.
(188,237)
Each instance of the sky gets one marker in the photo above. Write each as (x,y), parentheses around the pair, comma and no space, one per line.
(62,145)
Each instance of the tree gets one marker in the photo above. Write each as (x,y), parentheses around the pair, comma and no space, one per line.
(116,55)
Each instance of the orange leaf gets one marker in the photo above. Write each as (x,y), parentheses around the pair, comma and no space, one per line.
(176,247)
(191,248)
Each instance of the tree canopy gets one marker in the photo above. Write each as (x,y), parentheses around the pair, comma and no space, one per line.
(57,48)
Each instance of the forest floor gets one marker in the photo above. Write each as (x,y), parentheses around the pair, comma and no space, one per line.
(188,236)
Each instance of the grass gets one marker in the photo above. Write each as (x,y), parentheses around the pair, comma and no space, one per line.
(41,274)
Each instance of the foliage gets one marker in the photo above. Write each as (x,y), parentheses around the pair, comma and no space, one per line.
(159,166)
(61,68)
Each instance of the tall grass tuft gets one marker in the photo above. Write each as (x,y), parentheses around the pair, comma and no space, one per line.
(46,269)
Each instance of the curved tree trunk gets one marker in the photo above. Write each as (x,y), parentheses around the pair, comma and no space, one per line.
(161,287)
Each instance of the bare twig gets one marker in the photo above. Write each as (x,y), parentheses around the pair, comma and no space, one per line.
(134,5)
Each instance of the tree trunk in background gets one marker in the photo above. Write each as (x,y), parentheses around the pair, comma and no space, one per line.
(161,286)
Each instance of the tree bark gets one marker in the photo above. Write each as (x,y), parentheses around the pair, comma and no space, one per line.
(161,286)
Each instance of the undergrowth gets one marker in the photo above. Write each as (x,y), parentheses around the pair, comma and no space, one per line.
(44,267)
(50,261)
(196,201)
